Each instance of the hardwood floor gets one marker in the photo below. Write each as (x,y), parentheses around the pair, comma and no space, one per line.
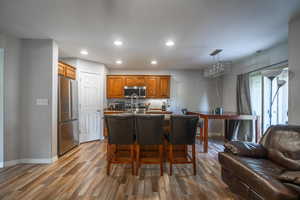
(81,174)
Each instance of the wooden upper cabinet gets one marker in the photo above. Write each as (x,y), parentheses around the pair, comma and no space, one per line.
(152,83)
(134,81)
(70,72)
(61,69)
(66,70)
(157,86)
(140,81)
(164,86)
(115,86)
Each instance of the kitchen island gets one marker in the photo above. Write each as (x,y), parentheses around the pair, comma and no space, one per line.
(159,112)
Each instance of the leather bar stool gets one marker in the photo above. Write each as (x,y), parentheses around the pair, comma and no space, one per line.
(200,136)
(183,132)
(149,131)
(120,132)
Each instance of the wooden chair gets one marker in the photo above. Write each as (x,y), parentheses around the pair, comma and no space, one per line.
(149,131)
(120,132)
(183,132)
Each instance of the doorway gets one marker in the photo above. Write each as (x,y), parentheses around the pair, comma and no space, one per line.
(1,108)
(90,107)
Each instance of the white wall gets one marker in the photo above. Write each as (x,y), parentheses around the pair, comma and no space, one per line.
(54,101)
(1,106)
(268,57)
(11,70)
(38,123)
(189,89)
(294,67)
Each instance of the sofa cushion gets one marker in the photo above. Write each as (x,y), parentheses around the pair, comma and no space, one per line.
(248,149)
(259,174)
(284,159)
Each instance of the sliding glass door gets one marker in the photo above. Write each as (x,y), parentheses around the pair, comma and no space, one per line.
(269,96)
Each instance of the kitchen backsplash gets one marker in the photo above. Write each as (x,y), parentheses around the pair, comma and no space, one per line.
(154,103)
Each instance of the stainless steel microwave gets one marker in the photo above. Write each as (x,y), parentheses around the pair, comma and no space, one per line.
(135,91)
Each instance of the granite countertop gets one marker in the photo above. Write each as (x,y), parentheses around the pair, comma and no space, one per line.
(145,112)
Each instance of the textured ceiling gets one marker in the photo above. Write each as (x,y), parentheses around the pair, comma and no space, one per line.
(240,27)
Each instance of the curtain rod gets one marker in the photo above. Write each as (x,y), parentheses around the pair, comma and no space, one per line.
(262,68)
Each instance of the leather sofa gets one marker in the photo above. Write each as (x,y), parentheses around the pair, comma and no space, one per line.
(253,171)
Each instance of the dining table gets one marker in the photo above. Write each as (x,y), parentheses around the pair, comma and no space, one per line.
(226,116)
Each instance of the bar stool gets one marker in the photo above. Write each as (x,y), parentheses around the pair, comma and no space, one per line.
(120,132)
(183,132)
(149,131)
(200,125)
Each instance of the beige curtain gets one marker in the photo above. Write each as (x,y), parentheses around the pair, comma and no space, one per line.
(240,129)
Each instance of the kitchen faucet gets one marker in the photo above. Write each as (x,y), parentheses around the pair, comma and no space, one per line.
(131,99)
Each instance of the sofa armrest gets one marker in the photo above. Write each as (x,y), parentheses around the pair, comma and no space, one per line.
(247,149)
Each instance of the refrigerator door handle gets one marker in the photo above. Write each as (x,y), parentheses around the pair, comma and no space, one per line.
(74,99)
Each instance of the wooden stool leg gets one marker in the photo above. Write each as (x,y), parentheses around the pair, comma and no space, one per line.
(161,159)
(132,158)
(108,160)
(194,158)
(137,158)
(171,158)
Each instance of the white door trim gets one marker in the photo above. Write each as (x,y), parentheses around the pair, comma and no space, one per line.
(2,108)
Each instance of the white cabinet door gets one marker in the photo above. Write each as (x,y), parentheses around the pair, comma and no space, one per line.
(90,113)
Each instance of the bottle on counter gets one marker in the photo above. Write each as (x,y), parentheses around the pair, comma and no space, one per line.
(164,106)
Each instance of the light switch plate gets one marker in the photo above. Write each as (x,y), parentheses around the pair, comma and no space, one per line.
(42,102)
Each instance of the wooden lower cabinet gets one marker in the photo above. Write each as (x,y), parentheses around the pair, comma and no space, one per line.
(158,86)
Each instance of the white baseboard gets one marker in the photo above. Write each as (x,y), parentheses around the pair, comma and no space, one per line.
(1,164)
(36,161)
(11,163)
(30,161)
(214,134)
(54,159)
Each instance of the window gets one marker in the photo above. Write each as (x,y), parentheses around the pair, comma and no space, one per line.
(269,96)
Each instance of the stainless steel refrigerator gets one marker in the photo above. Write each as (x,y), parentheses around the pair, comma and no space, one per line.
(68,127)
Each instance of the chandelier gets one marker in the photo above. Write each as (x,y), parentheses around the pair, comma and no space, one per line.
(217,68)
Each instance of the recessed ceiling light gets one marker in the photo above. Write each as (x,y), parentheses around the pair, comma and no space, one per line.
(118,43)
(119,62)
(170,43)
(153,62)
(84,52)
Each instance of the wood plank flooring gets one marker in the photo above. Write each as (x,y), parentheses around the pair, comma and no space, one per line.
(81,174)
